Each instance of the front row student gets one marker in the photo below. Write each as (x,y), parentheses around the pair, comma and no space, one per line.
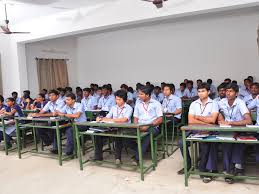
(203,111)
(233,111)
(12,109)
(119,113)
(72,110)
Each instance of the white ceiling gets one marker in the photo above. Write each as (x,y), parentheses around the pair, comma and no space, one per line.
(21,10)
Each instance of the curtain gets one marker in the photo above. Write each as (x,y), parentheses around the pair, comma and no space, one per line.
(52,73)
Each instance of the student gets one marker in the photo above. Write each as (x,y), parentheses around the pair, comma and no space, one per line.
(203,111)
(120,113)
(72,110)
(157,95)
(16,98)
(45,92)
(49,110)
(213,90)
(89,102)
(254,92)
(2,105)
(233,111)
(39,102)
(171,103)
(62,93)
(162,85)
(98,94)
(130,100)
(227,81)
(180,92)
(185,81)
(12,109)
(251,78)
(79,94)
(199,81)
(68,90)
(221,92)
(26,100)
(245,91)
(148,84)
(190,92)
(147,111)
(106,101)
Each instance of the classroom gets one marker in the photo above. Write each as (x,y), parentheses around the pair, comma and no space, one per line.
(126,96)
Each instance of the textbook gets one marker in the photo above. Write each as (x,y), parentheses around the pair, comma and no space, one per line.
(97,130)
(226,136)
(8,122)
(197,136)
(225,126)
(252,126)
(101,122)
(246,138)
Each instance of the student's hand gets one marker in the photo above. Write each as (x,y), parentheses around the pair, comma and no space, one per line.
(61,114)
(98,119)
(54,114)
(34,114)
(224,123)
(144,129)
(28,100)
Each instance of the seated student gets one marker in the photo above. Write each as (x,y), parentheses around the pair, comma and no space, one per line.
(213,90)
(12,109)
(68,90)
(245,91)
(26,100)
(49,110)
(39,102)
(135,95)
(2,105)
(254,92)
(62,93)
(72,110)
(233,111)
(120,113)
(89,102)
(203,111)
(79,94)
(172,103)
(130,100)
(199,81)
(45,92)
(180,92)
(221,92)
(185,81)
(190,92)
(147,111)
(98,94)
(227,81)
(106,101)
(16,98)
(157,95)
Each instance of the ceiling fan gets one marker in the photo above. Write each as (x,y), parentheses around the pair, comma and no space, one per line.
(157,3)
(6,29)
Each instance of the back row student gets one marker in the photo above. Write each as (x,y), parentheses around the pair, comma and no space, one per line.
(203,111)
(107,100)
(89,102)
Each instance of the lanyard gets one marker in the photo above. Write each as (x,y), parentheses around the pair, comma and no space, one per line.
(105,100)
(230,115)
(202,110)
(168,101)
(118,114)
(145,107)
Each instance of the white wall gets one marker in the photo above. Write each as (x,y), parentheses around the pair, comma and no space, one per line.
(62,48)
(205,47)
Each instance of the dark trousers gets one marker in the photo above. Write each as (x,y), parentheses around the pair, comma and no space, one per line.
(145,143)
(99,147)
(70,140)
(233,154)
(46,135)
(208,155)
(8,137)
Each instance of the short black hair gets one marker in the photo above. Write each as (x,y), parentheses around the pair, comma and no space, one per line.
(204,85)
(234,81)
(227,80)
(131,90)
(27,92)
(68,89)
(170,86)
(233,87)
(190,82)
(71,95)
(54,92)
(15,93)
(183,84)
(45,90)
(157,87)
(209,81)
(1,98)
(87,90)
(199,80)
(11,99)
(105,87)
(256,84)
(124,86)
(249,80)
(42,95)
(146,90)
(61,89)
(222,85)
(121,94)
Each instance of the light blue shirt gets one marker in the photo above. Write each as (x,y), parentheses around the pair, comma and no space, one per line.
(117,112)
(89,103)
(105,103)
(171,103)
(191,94)
(18,100)
(148,112)
(62,98)
(179,93)
(248,99)
(244,92)
(234,113)
(255,104)
(53,106)
(77,107)
(158,97)
(197,109)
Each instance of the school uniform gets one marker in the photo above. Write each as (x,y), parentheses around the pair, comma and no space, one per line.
(179,93)
(244,92)
(97,97)
(208,151)
(39,105)
(233,153)
(130,97)
(158,97)
(76,108)
(18,100)
(170,104)
(190,93)
(89,103)
(116,112)
(248,99)
(63,98)
(46,135)
(213,91)
(106,102)
(146,114)
(10,129)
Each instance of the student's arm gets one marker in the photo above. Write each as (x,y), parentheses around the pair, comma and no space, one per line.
(209,119)
(119,120)
(193,120)
(221,119)
(71,116)
(246,121)
(13,111)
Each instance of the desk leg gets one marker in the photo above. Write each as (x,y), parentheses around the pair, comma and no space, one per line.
(140,154)
(185,158)
(35,138)
(166,136)
(4,137)
(79,155)
(154,158)
(59,143)
(18,138)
